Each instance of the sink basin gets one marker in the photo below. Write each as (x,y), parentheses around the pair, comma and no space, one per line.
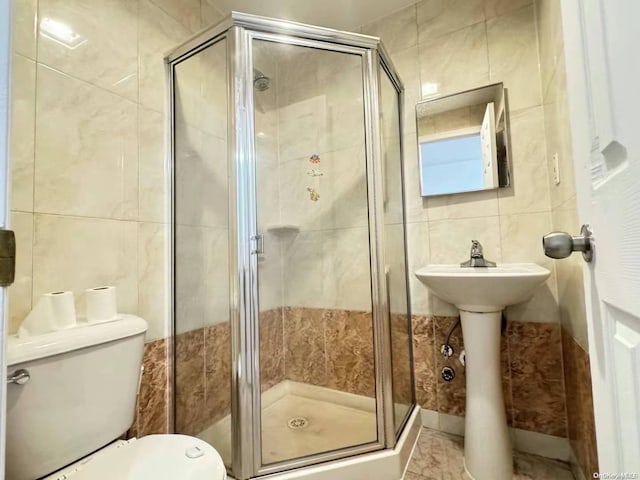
(482,289)
(481,293)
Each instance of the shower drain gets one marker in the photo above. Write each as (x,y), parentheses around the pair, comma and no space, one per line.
(297,423)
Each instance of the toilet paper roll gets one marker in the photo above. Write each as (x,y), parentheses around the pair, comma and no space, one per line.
(102,304)
(53,311)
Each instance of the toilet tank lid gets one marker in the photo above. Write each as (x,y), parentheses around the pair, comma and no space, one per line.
(83,335)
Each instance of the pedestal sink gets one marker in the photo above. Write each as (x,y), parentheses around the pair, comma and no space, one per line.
(481,293)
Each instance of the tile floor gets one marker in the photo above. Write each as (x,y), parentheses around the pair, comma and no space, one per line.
(439,456)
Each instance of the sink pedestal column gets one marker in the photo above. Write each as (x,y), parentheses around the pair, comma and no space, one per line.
(487,446)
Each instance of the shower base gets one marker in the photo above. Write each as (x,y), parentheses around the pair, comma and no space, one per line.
(300,419)
(334,420)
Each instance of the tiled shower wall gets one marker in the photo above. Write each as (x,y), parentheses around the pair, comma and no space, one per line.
(88,184)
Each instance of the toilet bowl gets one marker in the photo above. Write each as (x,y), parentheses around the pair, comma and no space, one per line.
(154,457)
(73,395)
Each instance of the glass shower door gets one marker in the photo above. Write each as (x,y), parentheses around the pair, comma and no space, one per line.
(314,273)
(201,250)
(395,251)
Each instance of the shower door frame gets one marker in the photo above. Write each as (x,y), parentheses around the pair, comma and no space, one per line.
(240,30)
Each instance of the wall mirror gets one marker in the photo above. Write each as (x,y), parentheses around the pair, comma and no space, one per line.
(463,141)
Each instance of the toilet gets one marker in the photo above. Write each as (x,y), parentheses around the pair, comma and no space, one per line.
(68,411)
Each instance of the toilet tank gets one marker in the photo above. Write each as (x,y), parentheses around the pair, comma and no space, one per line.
(80,396)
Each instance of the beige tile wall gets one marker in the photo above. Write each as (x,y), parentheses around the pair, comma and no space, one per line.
(87,150)
(563,195)
(443,47)
(319,111)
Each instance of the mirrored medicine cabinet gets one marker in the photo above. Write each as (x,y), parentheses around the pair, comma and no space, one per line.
(463,141)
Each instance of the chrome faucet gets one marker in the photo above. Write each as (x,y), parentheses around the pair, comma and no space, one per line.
(476,257)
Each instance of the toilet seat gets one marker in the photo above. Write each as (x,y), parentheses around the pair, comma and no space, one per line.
(154,457)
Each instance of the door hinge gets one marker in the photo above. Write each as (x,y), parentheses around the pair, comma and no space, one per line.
(7,257)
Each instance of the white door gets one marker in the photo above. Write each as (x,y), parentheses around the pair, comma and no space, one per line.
(602,54)
(5,18)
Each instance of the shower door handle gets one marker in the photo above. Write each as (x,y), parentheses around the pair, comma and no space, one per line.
(258,245)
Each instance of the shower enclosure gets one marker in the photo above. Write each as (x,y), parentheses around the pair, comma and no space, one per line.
(290,297)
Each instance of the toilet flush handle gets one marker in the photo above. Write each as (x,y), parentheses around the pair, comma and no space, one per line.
(19,377)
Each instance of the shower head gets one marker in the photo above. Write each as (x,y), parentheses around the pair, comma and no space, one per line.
(260,81)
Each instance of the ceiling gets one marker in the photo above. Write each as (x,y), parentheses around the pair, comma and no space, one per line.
(339,14)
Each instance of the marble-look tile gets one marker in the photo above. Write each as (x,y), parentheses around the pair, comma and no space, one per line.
(214,91)
(190,273)
(505,370)
(24,24)
(210,13)
(558,135)
(408,67)
(529,190)
(569,272)
(439,456)
(348,172)
(201,178)
(305,268)
(271,348)
(450,240)
(580,417)
(415,204)
(344,119)
(418,257)
(539,405)
(520,237)
(217,353)
(542,307)
(351,282)
(550,42)
(215,258)
(153,181)
(80,170)
(535,350)
(463,205)
(454,62)
(439,17)
(497,8)
(20,293)
(451,395)
(402,374)
(513,57)
(397,31)
(349,350)
(106,250)
(158,33)
(271,271)
(23,118)
(153,288)
(190,382)
(394,254)
(187,12)
(304,343)
(100,57)
(424,362)
(153,409)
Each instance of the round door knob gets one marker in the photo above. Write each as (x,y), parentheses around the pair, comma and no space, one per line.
(561,244)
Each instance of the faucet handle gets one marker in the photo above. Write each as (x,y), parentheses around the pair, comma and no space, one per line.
(476,248)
